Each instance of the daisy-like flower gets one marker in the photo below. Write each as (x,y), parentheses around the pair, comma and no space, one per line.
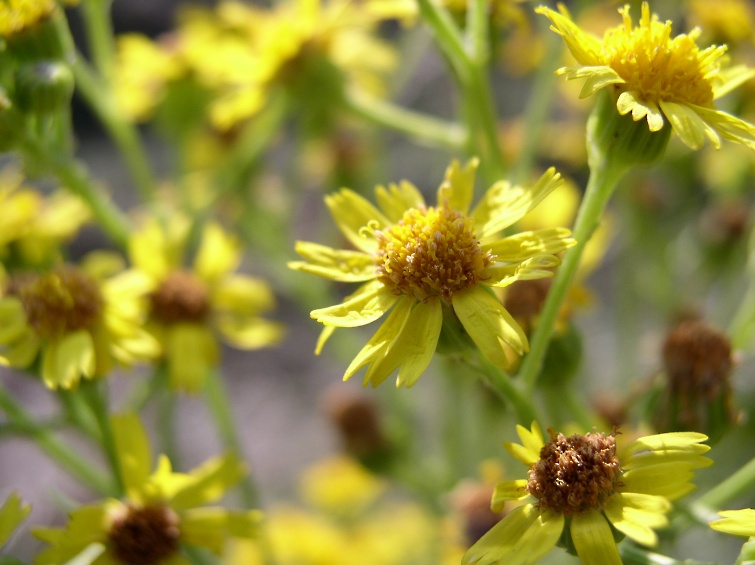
(162,510)
(188,307)
(81,325)
(422,264)
(736,522)
(657,77)
(587,486)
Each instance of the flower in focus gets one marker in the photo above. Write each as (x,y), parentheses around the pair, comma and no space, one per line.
(188,307)
(736,522)
(583,486)
(658,77)
(12,513)
(162,510)
(81,324)
(420,264)
(32,227)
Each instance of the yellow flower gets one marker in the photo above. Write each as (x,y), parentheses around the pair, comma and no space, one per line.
(585,485)
(736,522)
(81,325)
(32,227)
(340,486)
(421,264)
(17,16)
(657,77)
(188,307)
(12,513)
(162,510)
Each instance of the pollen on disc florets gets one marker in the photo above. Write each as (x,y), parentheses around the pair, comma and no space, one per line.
(658,67)
(58,302)
(144,535)
(431,252)
(181,297)
(575,473)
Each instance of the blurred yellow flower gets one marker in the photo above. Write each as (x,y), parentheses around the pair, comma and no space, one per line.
(586,485)
(17,16)
(189,307)
(80,324)
(33,227)
(657,77)
(340,486)
(726,20)
(420,264)
(162,510)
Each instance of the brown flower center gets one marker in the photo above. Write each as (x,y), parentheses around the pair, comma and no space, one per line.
(432,252)
(575,473)
(181,297)
(58,302)
(144,536)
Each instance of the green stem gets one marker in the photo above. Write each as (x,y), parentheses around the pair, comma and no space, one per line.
(99,96)
(633,555)
(603,179)
(479,103)
(502,385)
(75,177)
(91,391)
(58,451)
(99,32)
(419,126)
(731,488)
(220,406)
(447,35)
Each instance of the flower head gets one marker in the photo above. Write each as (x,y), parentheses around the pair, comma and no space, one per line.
(162,510)
(586,485)
(80,324)
(17,16)
(420,264)
(189,306)
(655,76)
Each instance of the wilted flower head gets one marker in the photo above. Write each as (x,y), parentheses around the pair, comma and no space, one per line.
(657,77)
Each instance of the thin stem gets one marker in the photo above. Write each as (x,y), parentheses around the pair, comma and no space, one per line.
(600,187)
(633,555)
(731,488)
(99,96)
(58,451)
(447,35)
(419,126)
(99,32)
(479,102)
(90,390)
(220,406)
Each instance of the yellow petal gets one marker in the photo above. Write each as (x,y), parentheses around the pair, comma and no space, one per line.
(377,347)
(489,325)
(665,448)
(730,127)
(537,267)
(366,305)
(688,125)
(209,482)
(13,512)
(211,527)
(671,480)
(526,245)
(242,295)
(397,199)
(134,453)
(637,515)
(597,77)
(457,188)
(629,102)
(508,490)
(191,352)
(503,204)
(729,79)
(66,360)
(736,522)
(585,47)
(337,265)
(351,213)
(218,254)
(250,333)
(324,336)
(593,539)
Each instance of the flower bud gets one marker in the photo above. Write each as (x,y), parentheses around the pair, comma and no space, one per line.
(44,87)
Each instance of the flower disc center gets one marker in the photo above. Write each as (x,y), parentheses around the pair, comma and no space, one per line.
(144,536)
(58,302)
(432,252)
(181,297)
(656,66)
(575,473)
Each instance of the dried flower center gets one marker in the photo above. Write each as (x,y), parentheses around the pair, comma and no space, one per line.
(144,536)
(61,301)
(657,66)
(432,252)
(575,473)
(181,297)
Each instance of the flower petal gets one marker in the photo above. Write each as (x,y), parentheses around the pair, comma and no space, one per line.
(457,188)
(366,305)
(688,125)
(537,267)
(211,527)
(727,80)
(629,102)
(489,325)
(13,512)
(65,361)
(597,77)
(219,253)
(191,351)
(351,213)
(736,522)
(508,490)
(671,480)
(377,347)
(134,453)
(665,448)
(503,204)
(585,47)
(728,126)
(593,539)
(398,198)
(526,245)
(337,265)
(414,347)
(636,515)
(208,482)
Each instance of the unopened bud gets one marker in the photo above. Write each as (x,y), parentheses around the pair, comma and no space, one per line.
(44,87)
